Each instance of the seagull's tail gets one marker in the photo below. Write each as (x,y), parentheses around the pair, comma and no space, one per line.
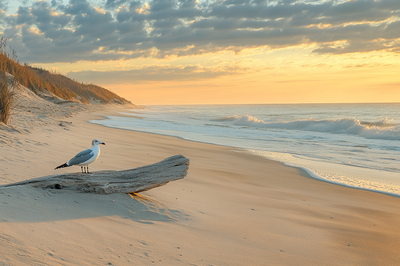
(62,166)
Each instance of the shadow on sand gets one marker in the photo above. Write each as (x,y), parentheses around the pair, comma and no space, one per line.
(18,204)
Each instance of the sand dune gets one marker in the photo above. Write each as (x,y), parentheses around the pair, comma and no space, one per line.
(233,208)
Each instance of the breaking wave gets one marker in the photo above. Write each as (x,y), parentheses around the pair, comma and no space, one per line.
(382,129)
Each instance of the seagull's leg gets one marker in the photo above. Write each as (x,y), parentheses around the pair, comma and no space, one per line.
(82,169)
(87,169)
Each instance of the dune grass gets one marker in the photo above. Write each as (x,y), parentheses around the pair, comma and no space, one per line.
(6,101)
(7,85)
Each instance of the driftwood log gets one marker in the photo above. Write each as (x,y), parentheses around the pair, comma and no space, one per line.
(108,182)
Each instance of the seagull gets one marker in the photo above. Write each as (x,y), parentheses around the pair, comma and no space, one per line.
(84,158)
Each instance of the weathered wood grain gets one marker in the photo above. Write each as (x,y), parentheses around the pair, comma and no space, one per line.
(108,182)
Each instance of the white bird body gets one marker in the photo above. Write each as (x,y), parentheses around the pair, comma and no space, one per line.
(86,157)
(89,156)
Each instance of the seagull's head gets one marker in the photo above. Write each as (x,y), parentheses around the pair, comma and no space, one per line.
(97,142)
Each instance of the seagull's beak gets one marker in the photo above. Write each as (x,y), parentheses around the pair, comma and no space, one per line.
(102,143)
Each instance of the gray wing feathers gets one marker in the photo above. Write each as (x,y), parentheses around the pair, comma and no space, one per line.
(81,157)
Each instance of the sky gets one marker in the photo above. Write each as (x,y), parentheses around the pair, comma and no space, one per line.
(215,51)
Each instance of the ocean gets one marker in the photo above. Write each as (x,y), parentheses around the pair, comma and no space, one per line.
(356,145)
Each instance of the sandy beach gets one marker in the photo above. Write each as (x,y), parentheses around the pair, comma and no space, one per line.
(233,208)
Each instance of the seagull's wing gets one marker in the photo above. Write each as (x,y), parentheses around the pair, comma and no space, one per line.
(81,157)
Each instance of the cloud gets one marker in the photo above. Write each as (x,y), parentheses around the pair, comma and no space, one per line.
(115,3)
(155,73)
(4,5)
(50,31)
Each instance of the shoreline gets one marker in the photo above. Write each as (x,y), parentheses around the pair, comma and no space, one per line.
(310,175)
(232,208)
(307,171)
